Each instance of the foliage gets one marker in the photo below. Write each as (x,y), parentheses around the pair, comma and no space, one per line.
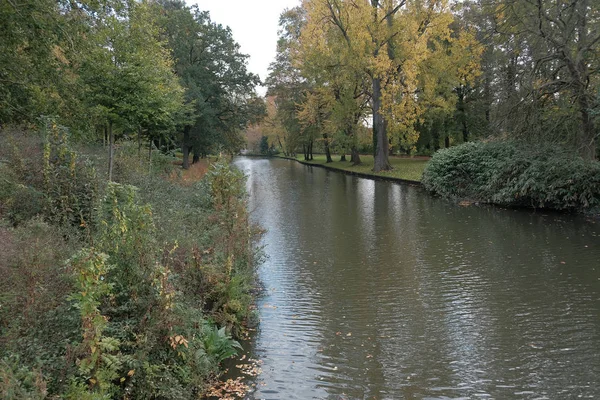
(217,84)
(219,344)
(70,184)
(511,173)
(18,381)
(37,325)
(398,55)
(152,293)
(98,364)
(264,145)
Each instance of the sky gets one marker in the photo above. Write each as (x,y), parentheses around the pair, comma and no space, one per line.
(254,24)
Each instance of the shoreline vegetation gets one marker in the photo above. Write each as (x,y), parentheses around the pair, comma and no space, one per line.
(406,170)
(136,288)
(501,173)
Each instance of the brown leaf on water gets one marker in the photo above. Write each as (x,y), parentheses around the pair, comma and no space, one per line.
(228,390)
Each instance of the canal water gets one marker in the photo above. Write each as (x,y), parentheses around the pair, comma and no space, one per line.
(375,290)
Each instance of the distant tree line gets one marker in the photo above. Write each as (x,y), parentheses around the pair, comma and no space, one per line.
(424,75)
(156,70)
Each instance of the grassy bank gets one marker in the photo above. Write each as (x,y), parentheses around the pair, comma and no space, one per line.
(132,289)
(410,169)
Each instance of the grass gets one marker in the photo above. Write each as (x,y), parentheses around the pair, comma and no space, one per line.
(404,168)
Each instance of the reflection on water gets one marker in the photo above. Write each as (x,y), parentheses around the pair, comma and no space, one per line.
(375,290)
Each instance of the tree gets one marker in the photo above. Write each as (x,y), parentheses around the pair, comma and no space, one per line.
(563,40)
(37,73)
(286,85)
(388,44)
(264,145)
(213,72)
(128,72)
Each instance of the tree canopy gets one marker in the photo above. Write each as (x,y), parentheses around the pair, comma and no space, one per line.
(157,69)
(434,73)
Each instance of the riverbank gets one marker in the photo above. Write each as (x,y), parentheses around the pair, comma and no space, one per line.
(405,170)
(137,287)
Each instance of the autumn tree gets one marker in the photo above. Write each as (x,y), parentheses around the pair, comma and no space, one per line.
(388,44)
(285,83)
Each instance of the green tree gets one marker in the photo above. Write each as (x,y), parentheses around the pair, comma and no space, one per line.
(213,72)
(563,39)
(128,72)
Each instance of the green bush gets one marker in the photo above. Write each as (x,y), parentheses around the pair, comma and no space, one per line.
(514,174)
(18,381)
(18,202)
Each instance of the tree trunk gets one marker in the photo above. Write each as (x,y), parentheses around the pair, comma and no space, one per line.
(355,156)
(381,159)
(185,148)
(285,153)
(196,157)
(462,109)
(310,151)
(435,136)
(587,139)
(111,144)
(343,157)
(327,152)
(447,141)
(150,156)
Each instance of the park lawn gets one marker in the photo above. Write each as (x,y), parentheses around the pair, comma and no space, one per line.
(404,168)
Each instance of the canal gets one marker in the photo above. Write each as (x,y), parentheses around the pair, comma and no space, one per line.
(376,290)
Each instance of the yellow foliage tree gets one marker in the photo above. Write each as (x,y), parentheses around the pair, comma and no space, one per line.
(393,45)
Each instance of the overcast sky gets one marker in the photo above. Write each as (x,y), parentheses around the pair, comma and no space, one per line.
(254,24)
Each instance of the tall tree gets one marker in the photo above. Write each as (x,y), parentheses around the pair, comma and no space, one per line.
(285,82)
(213,72)
(563,40)
(128,71)
(387,42)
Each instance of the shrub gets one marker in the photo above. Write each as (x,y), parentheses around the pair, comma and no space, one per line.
(513,174)
(147,308)
(18,381)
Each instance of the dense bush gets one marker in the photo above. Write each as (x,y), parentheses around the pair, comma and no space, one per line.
(513,174)
(130,289)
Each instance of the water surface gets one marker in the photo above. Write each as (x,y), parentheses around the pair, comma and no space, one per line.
(375,290)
